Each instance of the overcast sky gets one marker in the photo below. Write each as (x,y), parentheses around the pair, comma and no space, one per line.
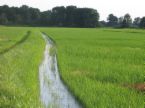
(104,7)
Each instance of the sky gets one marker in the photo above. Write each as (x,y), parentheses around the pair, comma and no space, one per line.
(136,8)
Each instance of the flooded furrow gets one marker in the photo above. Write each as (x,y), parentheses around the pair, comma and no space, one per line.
(53,92)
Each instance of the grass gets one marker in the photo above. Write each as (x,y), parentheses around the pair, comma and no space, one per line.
(19,85)
(96,63)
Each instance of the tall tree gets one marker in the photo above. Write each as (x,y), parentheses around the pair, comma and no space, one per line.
(34,15)
(3,19)
(136,21)
(58,16)
(45,18)
(18,19)
(70,16)
(112,20)
(26,15)
(120,20)
(86,17)
(142,22)
(127,21)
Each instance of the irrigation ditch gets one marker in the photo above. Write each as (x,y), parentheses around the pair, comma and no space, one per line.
(53,92)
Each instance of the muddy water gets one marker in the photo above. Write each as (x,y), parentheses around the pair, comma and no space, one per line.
(53,92)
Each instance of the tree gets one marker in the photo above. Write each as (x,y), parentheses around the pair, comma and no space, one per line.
(103,23)
(4,9)
(136,21)
(142,22)
(112,20)
(26,15)
(45,18)
(70,16)
(3,19)
(34,15)
(120,20)
(127,21)
(86,17)
(18,19)
(58,16)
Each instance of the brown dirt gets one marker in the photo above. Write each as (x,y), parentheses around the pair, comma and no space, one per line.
(138,86)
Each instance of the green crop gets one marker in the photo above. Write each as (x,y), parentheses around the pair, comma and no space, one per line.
(96,64)
(19,83)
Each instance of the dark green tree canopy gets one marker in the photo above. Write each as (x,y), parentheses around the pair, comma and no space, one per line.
(142,22)
(136,21)
(127,21)
(112,20)
(69,16)
(60,16)
(3,19)
(86,17)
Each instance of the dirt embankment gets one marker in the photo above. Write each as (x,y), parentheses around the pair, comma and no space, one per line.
(138,86)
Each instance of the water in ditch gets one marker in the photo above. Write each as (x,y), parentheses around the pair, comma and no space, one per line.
(53,92)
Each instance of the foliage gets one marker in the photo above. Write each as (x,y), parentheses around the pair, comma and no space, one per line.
(127,21)
(3,19)
(112,20)
(60,16)
(142,22)
(71,16)
(137,21)
(86,17)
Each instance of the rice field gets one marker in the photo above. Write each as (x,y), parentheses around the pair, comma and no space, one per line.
(10,36)
(19,86)
(96,64)
(99,66)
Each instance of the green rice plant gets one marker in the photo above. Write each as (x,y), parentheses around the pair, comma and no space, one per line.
(10,36)
(19,80)
(96,64)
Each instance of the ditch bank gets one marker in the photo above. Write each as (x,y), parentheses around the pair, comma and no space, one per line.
(53,93)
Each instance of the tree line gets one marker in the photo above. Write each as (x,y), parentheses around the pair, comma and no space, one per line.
(123,22)
(60,16)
